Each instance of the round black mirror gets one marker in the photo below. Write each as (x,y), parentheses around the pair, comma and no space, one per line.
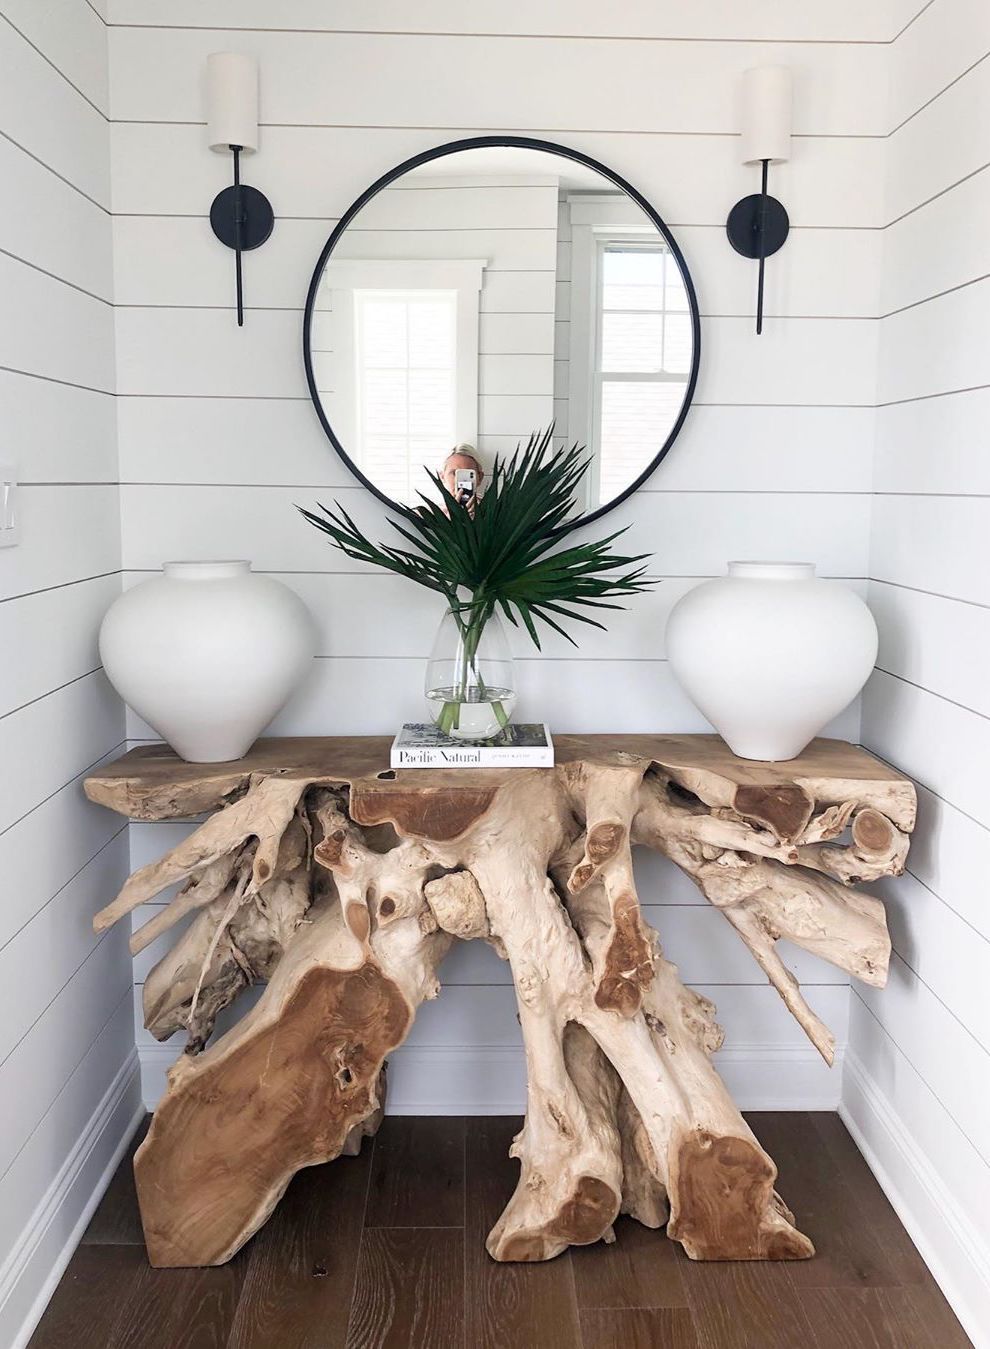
(480,292)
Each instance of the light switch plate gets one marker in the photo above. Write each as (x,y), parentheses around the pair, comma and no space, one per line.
(10,533)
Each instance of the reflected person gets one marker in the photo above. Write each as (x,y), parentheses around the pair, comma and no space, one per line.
(462,475)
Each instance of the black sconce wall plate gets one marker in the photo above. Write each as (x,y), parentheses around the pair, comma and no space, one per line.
(257,217)
(242,218)
(743,226)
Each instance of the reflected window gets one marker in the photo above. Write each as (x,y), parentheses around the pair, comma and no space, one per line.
(405,345)
(643,351)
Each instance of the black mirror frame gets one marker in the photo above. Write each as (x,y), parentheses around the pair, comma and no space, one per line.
(528,143)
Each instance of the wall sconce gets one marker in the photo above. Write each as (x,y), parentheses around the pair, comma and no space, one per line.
(758,225)
(241,216)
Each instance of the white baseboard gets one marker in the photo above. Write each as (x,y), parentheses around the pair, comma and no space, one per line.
(780,1077)
(491,1079)
(33,1268)
(956,1252)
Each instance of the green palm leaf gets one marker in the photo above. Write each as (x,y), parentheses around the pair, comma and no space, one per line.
(511,553)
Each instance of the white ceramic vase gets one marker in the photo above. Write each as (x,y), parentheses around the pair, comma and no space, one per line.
(207,653)
(769,654)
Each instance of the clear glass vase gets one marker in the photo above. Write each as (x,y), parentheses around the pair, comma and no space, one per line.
(470,683)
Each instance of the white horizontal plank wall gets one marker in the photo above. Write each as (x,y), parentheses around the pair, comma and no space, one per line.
(916,1088)
(69,1077)
(218,440)
(562,329)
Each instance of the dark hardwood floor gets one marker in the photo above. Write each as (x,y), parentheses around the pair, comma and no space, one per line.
(387,1249)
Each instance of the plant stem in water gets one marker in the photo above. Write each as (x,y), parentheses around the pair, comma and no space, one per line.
(448,717)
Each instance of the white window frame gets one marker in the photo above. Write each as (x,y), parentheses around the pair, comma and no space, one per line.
(597,223)
(343,277)
(405,297)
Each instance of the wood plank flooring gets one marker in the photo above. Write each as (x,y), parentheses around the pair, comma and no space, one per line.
(386,1251)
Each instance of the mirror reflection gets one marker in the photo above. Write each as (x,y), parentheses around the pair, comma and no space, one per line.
(486,294)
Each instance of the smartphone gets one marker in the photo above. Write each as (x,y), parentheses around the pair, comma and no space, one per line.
(464,481)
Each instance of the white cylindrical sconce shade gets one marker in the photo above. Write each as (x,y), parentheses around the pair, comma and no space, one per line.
(232,101)
(766,114)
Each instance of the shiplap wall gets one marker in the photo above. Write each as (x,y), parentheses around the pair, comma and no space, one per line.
(69,1084)
(217,438)
(562,328)
(917,1078)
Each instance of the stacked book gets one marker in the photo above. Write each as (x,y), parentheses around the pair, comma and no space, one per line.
(423,745)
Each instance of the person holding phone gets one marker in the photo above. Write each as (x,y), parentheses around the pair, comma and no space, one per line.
(462,475)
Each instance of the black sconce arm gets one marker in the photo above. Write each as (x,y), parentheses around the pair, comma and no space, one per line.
(242,218)
(757,227)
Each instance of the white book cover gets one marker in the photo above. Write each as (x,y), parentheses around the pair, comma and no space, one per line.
(423,745)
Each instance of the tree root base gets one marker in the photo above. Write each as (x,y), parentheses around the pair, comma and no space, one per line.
(344,893)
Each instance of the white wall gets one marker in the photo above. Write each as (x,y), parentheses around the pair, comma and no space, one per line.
(68,1081)
(917,1079)
(562,329)
(218,440)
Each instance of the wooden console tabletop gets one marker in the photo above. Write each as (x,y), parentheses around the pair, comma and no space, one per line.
(343,885)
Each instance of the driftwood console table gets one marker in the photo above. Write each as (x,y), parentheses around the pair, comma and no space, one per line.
(343,885)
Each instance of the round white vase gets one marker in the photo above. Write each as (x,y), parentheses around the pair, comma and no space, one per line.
(207,653)
(769,654)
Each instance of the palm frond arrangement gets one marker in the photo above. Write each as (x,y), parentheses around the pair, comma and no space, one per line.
(507,549)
